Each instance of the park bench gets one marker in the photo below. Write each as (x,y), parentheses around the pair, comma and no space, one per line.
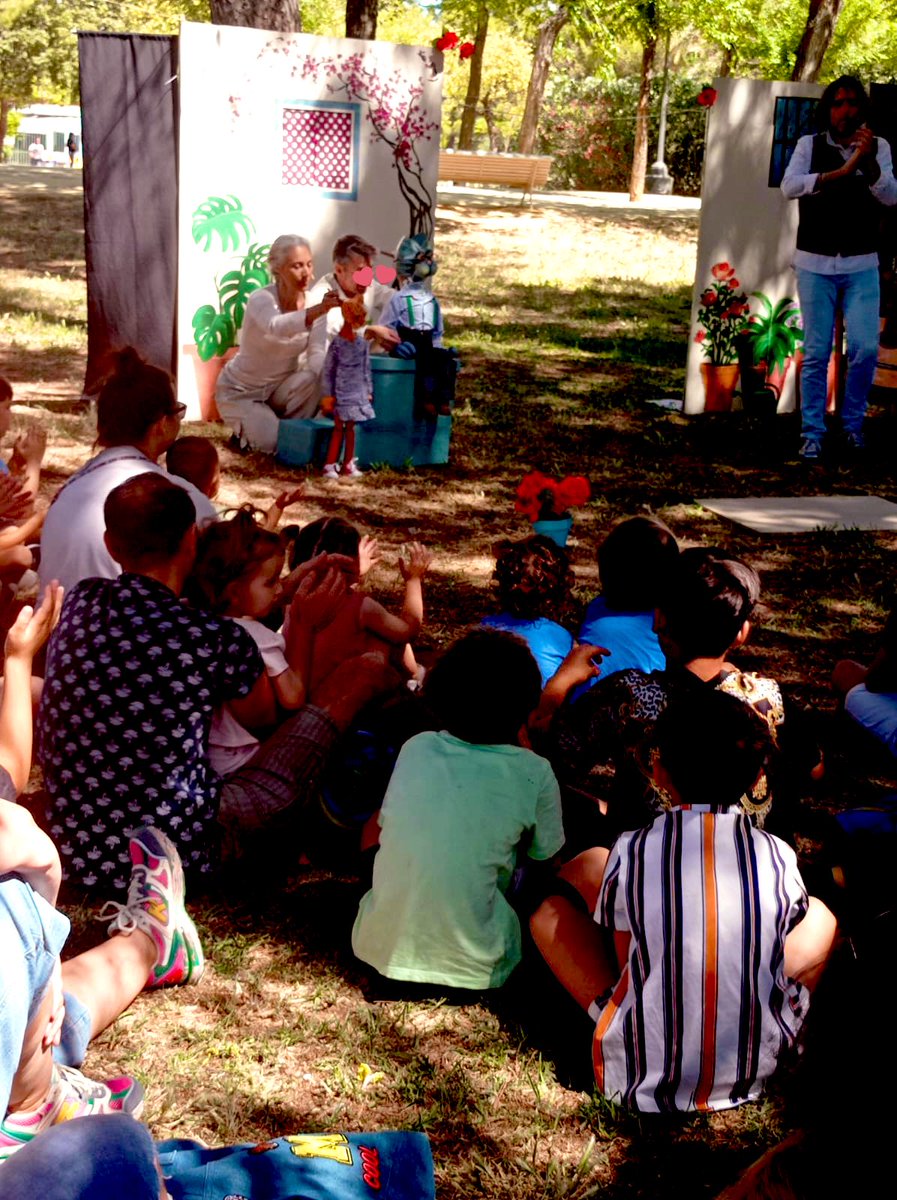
(527,171)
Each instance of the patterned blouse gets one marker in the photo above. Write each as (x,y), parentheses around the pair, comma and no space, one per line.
(132,680)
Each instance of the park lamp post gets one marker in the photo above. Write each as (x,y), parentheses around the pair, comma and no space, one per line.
(658,180)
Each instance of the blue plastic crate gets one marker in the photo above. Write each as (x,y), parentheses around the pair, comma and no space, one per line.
(392,437)
(302,441)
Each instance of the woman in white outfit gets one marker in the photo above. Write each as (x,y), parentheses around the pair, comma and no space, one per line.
(277,371)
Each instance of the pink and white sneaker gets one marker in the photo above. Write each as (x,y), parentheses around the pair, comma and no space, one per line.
(155,906)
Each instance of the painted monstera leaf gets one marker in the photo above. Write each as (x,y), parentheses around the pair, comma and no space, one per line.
(236,287)
(221,217)
(214,332)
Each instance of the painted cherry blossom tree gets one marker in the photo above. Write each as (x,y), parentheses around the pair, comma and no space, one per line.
(394,113)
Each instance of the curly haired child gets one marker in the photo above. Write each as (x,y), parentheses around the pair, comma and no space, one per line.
(534,581)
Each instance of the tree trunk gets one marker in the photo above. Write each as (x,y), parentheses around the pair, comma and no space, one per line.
(496,142)
(542,54)
(821,21)
(727,63)
(472,99)
(640,150)
(361,19)
(5,106)
(282,16)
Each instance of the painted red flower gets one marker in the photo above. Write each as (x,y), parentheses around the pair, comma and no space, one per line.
(448,41)
(709,297)
(722,271)
(466,50)
(733,283)
(700,336)
(707,97)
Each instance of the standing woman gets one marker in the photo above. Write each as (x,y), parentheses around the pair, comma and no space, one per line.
(277,372)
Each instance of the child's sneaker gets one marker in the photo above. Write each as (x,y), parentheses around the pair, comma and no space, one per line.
(331,470)
(71,1095)
(155,905)
(352,467)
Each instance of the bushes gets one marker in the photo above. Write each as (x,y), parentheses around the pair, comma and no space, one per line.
(588,125)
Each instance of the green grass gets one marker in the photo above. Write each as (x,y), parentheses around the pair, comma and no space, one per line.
(567,322)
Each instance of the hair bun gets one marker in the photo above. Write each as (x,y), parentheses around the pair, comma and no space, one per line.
(126,363)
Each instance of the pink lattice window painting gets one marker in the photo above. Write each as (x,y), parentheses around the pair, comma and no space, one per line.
(320,147)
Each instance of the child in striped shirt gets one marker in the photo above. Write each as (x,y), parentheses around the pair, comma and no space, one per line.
(714,944)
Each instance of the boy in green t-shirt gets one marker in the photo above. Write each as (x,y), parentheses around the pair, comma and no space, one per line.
(461,806)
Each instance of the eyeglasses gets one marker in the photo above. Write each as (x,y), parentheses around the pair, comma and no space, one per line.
(180,411)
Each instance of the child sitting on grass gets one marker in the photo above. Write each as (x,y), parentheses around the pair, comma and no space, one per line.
(237,573)
(360,624)
(634,561)
(534,583)
(195,459)
(715,944)
(19,479)
(462,807)
(870,693)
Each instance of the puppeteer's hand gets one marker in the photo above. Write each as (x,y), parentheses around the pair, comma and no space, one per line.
(383,334)
(330,300)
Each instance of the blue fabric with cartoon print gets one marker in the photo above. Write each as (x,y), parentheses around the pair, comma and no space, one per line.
(329,1166)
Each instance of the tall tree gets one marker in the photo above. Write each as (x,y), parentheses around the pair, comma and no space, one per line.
(543,52)
(472,99)
(648,24)
(283,16)
(817,37)
(361,18)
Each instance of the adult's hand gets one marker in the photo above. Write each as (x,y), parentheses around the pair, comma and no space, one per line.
(383,334)
(317,597)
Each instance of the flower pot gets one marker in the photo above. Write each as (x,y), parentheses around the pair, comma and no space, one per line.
(206,378)
(558,530)
(719,385)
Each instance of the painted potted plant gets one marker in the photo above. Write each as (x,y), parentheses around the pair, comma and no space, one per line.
(775,335)
(547,502)
(221,220)
(722,314)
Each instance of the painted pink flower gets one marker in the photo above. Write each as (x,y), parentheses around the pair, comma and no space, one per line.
(722,271)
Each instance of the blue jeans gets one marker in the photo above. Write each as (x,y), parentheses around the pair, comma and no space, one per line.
(857,295)
(31,937)
(91,1158)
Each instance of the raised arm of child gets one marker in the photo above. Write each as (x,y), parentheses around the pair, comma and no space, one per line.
(406,626)
(31,629)
(24,848)
(27,456)
(273,516)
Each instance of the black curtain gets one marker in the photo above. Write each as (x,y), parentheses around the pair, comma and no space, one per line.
(129,108)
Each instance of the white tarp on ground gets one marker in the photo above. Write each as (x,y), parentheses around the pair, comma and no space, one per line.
(292,134)
(804,514)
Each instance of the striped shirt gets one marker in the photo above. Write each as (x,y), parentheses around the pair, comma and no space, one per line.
(702,1009)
